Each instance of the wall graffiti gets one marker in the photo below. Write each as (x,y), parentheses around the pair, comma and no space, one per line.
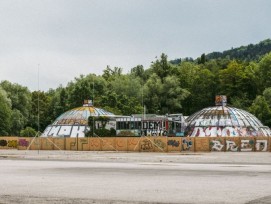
(146,145)
(261,145)
(65,130)
(231,146)
(13,143)
(187,144)
(247,145)
(216,145)
(9,143)
(23,143)
(82,143)
(173,143)
(159,143)
(221,132)
(3,143)
(242,144)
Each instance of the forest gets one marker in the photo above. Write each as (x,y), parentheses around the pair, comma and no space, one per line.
(183,85)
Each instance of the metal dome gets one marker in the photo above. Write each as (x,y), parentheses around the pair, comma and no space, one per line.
(80,115)
(74,123)
(224,121)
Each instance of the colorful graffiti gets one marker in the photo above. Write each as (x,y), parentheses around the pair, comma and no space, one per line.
(146,145)
(233,144)
(173,143)
(247,145)
(159,143)
(187,144)
(23,143)
(9,143)
(221,132)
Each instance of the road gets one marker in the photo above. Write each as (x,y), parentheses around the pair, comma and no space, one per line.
(118,178)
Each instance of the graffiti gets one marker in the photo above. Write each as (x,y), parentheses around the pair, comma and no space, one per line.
(73,145)
(216,145)
(3,143)
(173,143)
(246,145)
(186,144)
(157,132)
(146,145)
(152,125)
(12,143)
(83,142)
(108,142)
(231,146)
(9,143)
(132,142)
(159,143)
(120,143)
(261,145)
(95,143)
(23,143)
(65,130)
(219,131)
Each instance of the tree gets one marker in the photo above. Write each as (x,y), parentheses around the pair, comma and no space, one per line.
(5,113)
(138,71)
(20,98)
(261,110)
(40,115)
(18,122)
(265,71)
(267,95)
(172,95)
(28,132)
(161,67)
(239,82)
(152,91)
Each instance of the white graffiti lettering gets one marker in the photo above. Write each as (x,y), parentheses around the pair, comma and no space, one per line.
(231,146)
(261,145)
(245,146)
(217,145)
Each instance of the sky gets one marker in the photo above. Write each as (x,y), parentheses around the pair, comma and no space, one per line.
(47,43)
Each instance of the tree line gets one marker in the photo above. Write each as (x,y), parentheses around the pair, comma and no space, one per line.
(163,88)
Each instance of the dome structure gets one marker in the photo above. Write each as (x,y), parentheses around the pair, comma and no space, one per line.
(74,123)
(225,121)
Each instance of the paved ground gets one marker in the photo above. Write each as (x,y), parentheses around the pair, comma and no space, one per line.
(118,178)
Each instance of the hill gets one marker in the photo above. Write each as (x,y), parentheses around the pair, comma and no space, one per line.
(251,52)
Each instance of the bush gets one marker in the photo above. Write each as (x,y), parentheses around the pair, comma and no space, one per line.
(126,133)
(28,132)
(101,132)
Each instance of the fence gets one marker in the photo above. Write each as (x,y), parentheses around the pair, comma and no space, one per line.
(141,144)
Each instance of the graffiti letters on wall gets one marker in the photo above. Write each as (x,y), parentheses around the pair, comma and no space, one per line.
(66,130)
(5,143)
(153,128)
(221,132)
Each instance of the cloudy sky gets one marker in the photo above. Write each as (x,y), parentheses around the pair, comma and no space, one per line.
(65,38)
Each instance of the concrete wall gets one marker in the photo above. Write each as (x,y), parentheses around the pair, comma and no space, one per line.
(141,144)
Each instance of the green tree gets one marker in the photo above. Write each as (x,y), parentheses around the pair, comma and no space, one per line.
(161,67)
(18,122)
(152,91)
(261,110)
(28,132)
(265,71)
(40,115)
(5,113)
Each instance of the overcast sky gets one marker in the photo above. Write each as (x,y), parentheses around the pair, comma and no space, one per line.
(66,38)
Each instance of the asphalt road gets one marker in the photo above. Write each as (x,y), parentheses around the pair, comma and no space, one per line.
(118,178)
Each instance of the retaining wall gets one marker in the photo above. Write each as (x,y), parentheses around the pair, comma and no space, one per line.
(141,144)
